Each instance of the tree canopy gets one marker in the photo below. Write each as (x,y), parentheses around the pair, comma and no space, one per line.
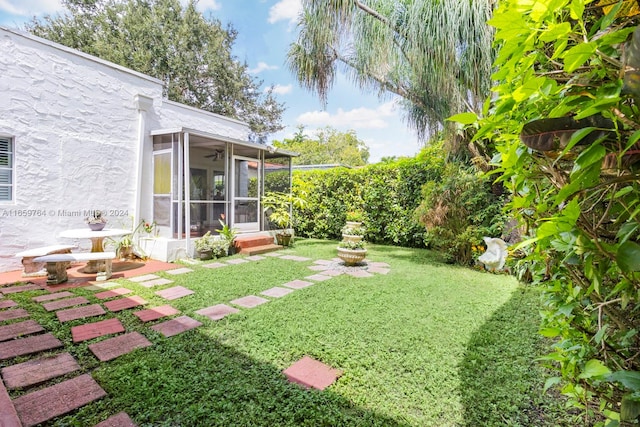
(436,55)
(328,147)
(176,44)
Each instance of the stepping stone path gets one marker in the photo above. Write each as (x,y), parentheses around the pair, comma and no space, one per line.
(29,345)
(255,258)
(215,265)
(52,297)
(119,420)
(179,271)
(276,292)
(8,304)
(359,273)
(312,374)
(23,288)
(112,293)
(237,261)
(38,370)
(273,254)
(124,303)
(42,405)
(176,326)
(16,313)
(97,329)
(111,348)
(295,258)
(80,313)
(64,303)
(156,313)
(318,277)
(249,301)
(156,282)
(218,311)
(15,330)
(297,284)
(319,267)
(144,278)
(174,293)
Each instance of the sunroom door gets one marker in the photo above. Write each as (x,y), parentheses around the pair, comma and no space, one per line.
(246,193)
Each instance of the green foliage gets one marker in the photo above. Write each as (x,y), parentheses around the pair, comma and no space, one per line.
(386,193)
(278,207)
(562,61)
(328,147)
(458,211)
(176,44)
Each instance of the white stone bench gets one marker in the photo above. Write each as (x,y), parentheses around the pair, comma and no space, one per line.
(31,268)
(57,265)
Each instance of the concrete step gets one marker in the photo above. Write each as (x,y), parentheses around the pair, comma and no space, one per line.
(256,250)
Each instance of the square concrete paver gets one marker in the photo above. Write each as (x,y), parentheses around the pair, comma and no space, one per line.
(64,303)
(176,326)
(359,273)
(42,405)
(14,313)
(97,329)
(156,313)
(237,261)
(318,277)
(8,304)
(124,303)
(15,330)
(249,301)
(323,262)
(144,278)
(332,273)
(80,312)
(319,267)
(378,264)
(38,370)
(121,419)
(113,293)
(174,293)
(29,345)
(177,271)
(312,374)
(217,312)
(156,282)
(379,270)
(111,348)
(276,292)
(215,265)
(255,258)
(51,297)
(297,284)
(272,254)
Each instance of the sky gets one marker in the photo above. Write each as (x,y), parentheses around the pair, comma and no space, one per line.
(265,30)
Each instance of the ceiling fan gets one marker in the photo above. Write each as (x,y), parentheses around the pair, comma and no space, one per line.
(217,155)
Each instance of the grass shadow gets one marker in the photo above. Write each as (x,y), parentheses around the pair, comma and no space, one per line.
(501,380)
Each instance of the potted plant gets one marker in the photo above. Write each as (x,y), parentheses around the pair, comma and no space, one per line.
(351,253)
(278,207)
(353,233)
(228,234)
(96,220)
(204,246)
(354,217)
(219,248)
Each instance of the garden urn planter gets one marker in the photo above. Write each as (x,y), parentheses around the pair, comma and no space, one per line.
(283,239)
(352,256)
(351,238)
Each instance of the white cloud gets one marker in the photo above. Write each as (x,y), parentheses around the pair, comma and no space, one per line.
(30,7)
(282,90)
(285,10)
(358,118)
(262,66)
(208,4)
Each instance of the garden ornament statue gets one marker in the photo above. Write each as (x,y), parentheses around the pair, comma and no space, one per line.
(496,254)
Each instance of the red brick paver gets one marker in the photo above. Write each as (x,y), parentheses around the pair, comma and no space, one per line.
(65,303)
(311,373)
(17,313)
(42,405)
(15,330)
(80,312)
(96,329)
(124,303)
(8,304)
(156,313)
(29,345)
(23,288)
(120,419)
(217,312)
(51,297)
(113,293)
(277,292)
(297,284)
(176,326)
(38,371)
(114,347)
(8,414)
(174,293)
(249,301)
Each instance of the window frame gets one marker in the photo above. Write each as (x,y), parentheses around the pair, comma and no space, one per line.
(11,168)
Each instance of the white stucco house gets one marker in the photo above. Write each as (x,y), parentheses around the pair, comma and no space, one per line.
(78,133)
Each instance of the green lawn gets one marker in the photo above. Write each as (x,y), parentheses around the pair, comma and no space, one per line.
(426,345)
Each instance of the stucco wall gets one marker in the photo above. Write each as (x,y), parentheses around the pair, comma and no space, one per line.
(75,130)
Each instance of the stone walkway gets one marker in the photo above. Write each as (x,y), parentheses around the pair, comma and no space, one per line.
(20,336)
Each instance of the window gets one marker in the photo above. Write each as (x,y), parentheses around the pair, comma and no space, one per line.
(6,169)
